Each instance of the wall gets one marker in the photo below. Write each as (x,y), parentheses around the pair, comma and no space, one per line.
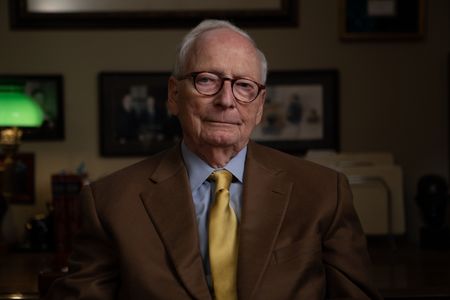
(393,94)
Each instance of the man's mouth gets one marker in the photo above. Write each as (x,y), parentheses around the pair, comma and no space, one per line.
(224,122)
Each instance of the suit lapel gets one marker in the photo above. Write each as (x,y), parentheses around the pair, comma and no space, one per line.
(169,204)
(265,199)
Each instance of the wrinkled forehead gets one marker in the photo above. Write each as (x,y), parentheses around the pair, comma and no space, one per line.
(223,47)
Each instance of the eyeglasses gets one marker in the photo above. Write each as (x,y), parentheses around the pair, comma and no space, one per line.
(210,84)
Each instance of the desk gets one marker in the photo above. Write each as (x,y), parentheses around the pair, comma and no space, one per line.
(19,273)
(406,272)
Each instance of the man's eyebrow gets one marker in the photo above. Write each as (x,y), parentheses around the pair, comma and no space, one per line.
(222,74)
(215,71)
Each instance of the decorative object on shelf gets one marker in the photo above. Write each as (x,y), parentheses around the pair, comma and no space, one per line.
(114,14)
(47,92)
(39,233)
(381,19)
(16,109)
(133,115)
(432,198)
(300,111)
(22,178)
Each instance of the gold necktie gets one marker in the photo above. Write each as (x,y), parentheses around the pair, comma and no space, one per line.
(223,239)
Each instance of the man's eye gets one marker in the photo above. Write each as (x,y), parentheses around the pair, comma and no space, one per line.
(245,85)
(206,80)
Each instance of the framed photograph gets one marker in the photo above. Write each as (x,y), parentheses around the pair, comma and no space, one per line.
(23,178)
(134,120)
(301,111)
(381,19)
(47,91)
(145,14)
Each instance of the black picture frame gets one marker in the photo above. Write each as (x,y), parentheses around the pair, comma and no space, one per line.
(134,120)
(301,111)
(23,178)
(47,91)
(381,19)
(285,13)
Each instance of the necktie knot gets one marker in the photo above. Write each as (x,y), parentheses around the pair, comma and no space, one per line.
(222,178)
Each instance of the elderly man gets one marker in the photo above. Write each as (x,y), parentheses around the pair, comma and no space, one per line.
(218,216)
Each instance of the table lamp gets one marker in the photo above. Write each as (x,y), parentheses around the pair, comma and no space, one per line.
(16,110)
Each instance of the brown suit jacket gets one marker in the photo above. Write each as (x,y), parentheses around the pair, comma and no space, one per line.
(299,237)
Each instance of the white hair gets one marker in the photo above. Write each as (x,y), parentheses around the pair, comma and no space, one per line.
(195,33)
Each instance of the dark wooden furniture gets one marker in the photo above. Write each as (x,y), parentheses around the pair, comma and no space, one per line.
(19,274)
(402,270)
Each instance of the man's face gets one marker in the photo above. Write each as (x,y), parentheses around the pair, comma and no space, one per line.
(219,120)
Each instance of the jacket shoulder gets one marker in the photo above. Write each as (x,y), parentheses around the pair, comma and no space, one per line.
(292,165)
(136,174)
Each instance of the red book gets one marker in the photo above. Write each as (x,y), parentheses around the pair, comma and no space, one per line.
(65,191)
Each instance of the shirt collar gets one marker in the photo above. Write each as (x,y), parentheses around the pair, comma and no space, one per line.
(199,171)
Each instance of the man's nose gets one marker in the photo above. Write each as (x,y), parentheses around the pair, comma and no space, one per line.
(225,96)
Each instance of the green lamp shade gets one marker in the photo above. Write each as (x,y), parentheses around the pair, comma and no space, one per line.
(17,109)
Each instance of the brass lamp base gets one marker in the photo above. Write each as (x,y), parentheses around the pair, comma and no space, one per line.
(10,136)
(9,144)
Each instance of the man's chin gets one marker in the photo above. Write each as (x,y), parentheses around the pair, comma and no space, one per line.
(222,140)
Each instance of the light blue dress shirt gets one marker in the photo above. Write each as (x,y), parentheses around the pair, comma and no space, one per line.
(203,193)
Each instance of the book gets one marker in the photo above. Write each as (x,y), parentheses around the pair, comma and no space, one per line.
(66,209)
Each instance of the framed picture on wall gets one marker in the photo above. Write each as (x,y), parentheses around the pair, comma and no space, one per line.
(301,111)
(381,19)
(23,188)
(155,13)
(47,91)
(134,120)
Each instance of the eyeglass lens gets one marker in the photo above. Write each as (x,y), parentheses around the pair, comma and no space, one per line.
(210,84)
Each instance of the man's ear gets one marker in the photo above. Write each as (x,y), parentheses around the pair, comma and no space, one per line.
(172,95)
(260,111)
